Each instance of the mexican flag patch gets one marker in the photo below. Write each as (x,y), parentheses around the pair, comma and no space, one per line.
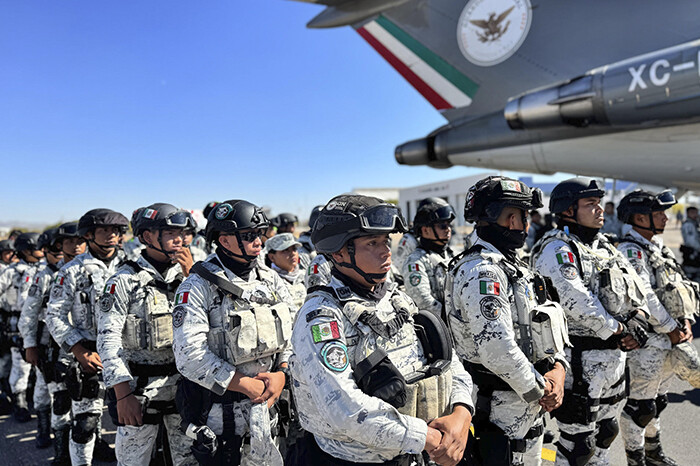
(109,288)
(150,213)
(510,185)
(565,258)
(59,281)
(325,332)
(313,269)
(413,267)
(182,298)
(634,254)
(490,288)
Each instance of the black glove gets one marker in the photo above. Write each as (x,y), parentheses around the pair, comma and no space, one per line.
(206,441)
(636,325)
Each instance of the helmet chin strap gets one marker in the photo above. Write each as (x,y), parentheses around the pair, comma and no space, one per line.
(103,250)
(370,278)
(653,228)
(169,254)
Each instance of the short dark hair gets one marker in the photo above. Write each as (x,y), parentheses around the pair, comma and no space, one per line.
(610,203)
(690,208)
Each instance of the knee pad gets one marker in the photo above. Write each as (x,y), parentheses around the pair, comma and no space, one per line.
(583,449)
(641,411)
(61,402)
(607,431)
(661,403)
(84,427)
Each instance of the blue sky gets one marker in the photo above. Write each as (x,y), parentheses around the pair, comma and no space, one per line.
(121,104)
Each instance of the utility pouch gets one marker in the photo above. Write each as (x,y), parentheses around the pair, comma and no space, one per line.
(377,376)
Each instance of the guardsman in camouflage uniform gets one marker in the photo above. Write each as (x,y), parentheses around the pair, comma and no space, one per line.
(426,266)
(232,323)
(283,251)
(506,329)
(7,257)
(674,304)
(13,295)
(690,229)
(604,300)
(72,321)
(369,387)
(318,272)
(135,339)
(35,335)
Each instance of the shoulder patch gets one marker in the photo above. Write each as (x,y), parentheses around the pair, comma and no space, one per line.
(56,291)
(568,271)
(633,253)
(414,278)
(488,274)
(490,308)
(106,302)
(343,292)
(110,288)
(33,290)
(178,316)
(413,268)
(312,269)
(319,313)
(565,257)
(489,288)
(182,298)
(325,332)
(335,356)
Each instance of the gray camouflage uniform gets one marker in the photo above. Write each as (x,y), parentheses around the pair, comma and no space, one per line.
(651,368)
(489,315)
(425,283)
(592,311)
(407,245)
(199,330)
(71,319)
(295,283)
(318,273)
(130,304)
(34,313)
(347,423)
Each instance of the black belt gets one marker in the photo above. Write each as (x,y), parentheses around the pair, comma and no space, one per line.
(483,377)
(520,445)
(228,397)
(593,343)
(149,370)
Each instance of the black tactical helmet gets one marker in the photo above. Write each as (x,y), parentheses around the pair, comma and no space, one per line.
(487,198)
(643,202)
(48,238)
(314,215)
(286,219)
(101,218)
(434,211)
(208,208)
(7,245)
(68,230)
(160,216)
(350,216)
(27,242)
(235,215)
(566,193)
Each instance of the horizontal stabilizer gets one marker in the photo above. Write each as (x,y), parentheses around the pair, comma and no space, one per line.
(351,12)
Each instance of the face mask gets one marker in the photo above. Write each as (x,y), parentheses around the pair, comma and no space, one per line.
(502,238)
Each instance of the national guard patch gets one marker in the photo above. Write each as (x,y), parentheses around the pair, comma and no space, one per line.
(33,290)
(178,316)
(56,291)
(106,302)
(489,288)
(343,292)
(335,356)
(414,279)
(325,332)
(490,307)
(568,271)
(222,211)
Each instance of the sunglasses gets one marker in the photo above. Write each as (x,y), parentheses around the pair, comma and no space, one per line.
(250,236)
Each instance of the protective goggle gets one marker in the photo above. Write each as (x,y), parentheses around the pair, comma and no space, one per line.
(537,197)
(382,218)
(180,219)
(444,213)
(665,199)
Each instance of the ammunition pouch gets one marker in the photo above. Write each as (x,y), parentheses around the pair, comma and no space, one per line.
(377,376)
(81,384)
(548,330)
(636,325)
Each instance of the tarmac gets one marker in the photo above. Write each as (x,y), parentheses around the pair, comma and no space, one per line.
(679,422)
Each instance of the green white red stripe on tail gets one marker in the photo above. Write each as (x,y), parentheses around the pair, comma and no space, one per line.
(440,83)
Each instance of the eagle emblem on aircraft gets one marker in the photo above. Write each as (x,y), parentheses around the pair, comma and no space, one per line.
(492,28)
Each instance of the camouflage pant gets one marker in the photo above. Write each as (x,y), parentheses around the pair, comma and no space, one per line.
(19,374)
(134,444)
(650,373)
(516,417)
(601,370)
(81,453)
(58,421)
(254,421)
(686,363)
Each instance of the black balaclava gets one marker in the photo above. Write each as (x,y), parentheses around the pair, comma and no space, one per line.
(375,294)
(240,269)
(502,238)
(586,234)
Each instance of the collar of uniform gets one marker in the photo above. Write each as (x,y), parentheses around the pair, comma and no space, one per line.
(489,249)
(292,276)
(171,274)
(214,265)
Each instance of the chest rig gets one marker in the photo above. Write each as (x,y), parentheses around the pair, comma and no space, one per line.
(254,322)
(149,322)
(539,322)
(439,274)
(397,353)
(89,283)
(679,295)
(606,273)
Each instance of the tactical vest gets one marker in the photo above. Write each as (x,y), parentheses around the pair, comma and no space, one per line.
(255,322)
(609,277)
(679,295)
(439,266)
(539,322)
(428,386)
(154,329)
